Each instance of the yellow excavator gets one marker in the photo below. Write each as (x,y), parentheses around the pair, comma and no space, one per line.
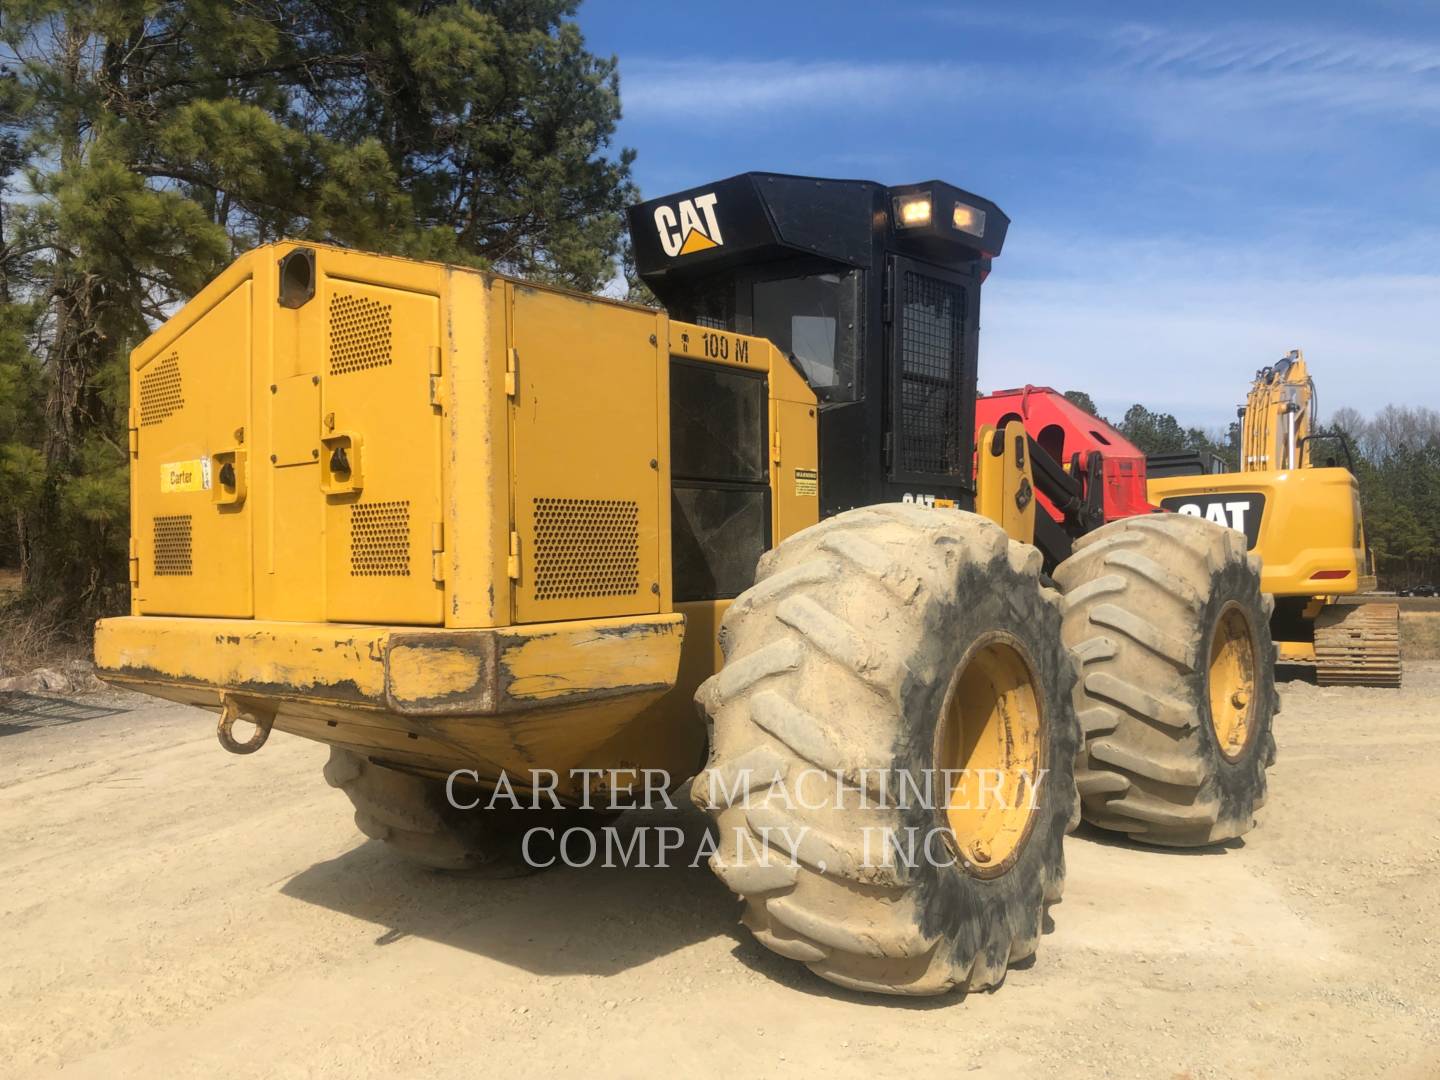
(1300,511)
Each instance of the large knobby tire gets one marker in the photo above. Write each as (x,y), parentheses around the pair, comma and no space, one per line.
(1177,689)
(845,659)
(413,817)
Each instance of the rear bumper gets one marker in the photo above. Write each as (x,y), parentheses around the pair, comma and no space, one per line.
(406,671)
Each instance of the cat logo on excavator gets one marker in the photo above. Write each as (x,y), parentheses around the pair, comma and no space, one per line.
(694,228)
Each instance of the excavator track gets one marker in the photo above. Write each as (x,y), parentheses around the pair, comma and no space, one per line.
(1358,646)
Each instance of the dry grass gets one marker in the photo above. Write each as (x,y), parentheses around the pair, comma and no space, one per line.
(31,639)
(1420,635)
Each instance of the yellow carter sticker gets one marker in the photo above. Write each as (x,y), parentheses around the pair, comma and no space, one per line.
(185,476)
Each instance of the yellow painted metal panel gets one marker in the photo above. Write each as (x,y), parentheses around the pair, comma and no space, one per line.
(191,399)
(411,671)
(794,442)
(664,524)
(1295,652)
(380,435)
(289,522)
(517,668)
(586,457)
(794,467)
(476,451)
(1004,485)
(295,414)
(285,659)
(1311,524)
(722,347)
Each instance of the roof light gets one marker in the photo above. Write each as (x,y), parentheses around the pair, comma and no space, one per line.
(912,211)
(968,219)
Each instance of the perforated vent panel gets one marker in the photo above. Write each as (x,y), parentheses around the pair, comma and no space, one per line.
(586,548)
(171,546)
(359,333)
(932,334)
(160,391)
(380,539)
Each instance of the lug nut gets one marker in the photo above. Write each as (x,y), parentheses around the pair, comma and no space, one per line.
(1239,699)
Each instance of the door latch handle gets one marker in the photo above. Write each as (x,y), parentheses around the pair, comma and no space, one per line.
(230,479)
(341,461)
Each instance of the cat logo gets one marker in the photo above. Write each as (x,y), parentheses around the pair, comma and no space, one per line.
(1240,511)
(694,229)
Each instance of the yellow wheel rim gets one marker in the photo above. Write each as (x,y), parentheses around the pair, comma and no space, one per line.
(990,750)
(1232,682)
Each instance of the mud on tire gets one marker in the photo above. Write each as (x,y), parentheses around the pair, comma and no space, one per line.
(838,660)
(1144,600)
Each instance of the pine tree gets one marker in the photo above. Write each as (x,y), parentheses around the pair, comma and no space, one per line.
(144,144)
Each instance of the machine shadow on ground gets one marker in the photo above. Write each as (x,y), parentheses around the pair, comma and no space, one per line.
(591,920)
(21,712)
(588,920)
(1091,834)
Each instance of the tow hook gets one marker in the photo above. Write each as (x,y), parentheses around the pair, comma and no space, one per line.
(232,710)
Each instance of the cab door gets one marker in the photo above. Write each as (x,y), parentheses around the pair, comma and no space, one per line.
(932,346)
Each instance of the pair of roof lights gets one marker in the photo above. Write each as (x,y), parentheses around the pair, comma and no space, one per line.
(917,211)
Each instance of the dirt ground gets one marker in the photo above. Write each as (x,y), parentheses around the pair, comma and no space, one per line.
(1420,632)
(167,909)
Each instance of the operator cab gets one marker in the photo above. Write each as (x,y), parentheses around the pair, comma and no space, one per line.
(872,291)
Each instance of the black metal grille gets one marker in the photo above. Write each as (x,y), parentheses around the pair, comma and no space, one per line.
(931,335)
(172,546)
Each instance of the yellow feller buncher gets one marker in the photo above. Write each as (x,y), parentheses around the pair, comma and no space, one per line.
(1300,512)
(466,529)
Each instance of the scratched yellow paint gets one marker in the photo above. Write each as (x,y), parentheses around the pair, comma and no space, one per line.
(593,656)
(420,673)
(226,653)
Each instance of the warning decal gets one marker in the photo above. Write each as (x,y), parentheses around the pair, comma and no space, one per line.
(807,482)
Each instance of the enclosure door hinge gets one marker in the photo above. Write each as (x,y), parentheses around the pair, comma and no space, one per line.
(134,561)
(437,551)
(512,564)
(436,391)
(134,434)
(512,371)
(775,446)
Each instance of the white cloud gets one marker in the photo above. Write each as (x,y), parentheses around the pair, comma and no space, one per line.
(1188,342)
(1257,67)
(1261,49)
(684,90)
(1137,69)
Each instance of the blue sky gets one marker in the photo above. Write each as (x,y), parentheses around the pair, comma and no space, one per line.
(1194,189)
